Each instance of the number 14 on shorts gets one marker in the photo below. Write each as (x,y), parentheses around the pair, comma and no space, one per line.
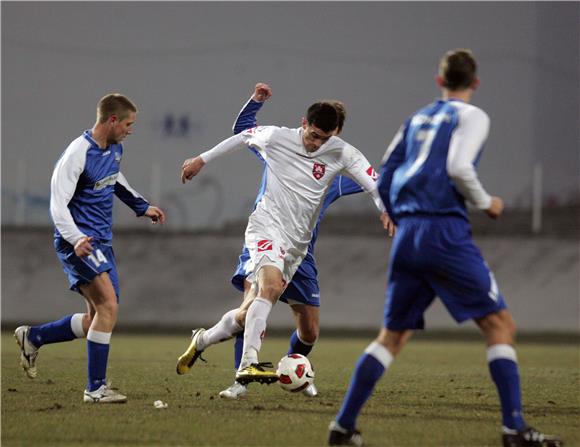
(97,258)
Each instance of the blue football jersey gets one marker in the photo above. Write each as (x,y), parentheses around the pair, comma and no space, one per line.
(415,174)
(84,180)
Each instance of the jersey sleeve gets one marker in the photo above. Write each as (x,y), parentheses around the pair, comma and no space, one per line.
(358,168)
(227,146)
(348,186)
(129,196)
(393,158)
(246,119)
(63,184)
(464,147)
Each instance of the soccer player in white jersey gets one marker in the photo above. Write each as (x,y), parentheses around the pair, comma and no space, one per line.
(301,165)
(302,294)
(84,181)
(426,176)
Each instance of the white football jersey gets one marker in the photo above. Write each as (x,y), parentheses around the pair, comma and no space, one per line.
(297,180)
(296,185)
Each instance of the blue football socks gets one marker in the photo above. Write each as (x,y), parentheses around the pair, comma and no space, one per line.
(503,367)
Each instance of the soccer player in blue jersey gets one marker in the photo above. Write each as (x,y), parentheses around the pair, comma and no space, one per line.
(303,292)
(84,181)
(426,177)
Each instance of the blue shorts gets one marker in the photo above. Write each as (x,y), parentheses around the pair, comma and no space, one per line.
(435,256)
(84,270)
(303,288)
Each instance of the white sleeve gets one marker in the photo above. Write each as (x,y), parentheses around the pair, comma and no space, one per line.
(256,137)
(466,143)
(62,188)
(225,147)
(361,171)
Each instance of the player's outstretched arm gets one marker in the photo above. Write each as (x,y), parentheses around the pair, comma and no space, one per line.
(192,166)
(246,119)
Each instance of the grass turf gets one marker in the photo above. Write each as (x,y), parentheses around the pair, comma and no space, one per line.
(437,393)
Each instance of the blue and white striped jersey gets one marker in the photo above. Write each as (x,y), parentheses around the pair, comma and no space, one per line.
(341,185)
(82,187)
(429,167)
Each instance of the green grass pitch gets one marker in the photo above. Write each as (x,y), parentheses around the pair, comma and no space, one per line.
(437,393)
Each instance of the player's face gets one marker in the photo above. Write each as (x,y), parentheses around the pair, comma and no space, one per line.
(313,137)
(121,129)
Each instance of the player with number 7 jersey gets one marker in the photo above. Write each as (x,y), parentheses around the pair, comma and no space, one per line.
(84,182)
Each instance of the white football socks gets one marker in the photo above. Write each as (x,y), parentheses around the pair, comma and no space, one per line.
(222,330)
(255,330)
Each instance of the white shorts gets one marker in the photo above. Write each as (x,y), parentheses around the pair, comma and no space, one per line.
(267,247)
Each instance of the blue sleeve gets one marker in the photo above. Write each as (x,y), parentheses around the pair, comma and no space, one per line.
(395,158)
(247,117)
(348,186)
(129,198)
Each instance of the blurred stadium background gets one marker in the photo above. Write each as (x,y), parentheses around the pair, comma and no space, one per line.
(191,65)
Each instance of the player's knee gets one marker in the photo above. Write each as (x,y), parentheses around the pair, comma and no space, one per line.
(394,341)
(241,317)
(87,320)
(271,289)
(108,309)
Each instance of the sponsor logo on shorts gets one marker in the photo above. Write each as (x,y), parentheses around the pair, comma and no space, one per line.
(318,170)
(372,173)
(264,245)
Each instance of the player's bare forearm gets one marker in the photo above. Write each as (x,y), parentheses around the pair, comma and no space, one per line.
(191,168)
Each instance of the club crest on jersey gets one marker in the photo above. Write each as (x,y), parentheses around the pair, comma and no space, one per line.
(264,245)
(118,157)
(372,173)
(318,170)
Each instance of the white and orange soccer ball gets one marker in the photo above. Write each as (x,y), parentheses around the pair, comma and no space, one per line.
(295,372)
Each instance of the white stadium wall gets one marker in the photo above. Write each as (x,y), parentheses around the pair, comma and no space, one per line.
(191,65)
(175,281)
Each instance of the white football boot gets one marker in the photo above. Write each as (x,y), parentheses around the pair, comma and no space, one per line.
(310,391)
(104,395)
(28,352)
(236,391)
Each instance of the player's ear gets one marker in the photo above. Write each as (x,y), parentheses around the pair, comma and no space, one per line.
(475,84)
(439,81)
(304,123)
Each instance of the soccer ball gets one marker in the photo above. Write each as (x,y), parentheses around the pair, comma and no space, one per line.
(295,372)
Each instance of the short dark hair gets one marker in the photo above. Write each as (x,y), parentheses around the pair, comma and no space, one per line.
(341,110)
(458,69)
(114,104)
(322,115)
